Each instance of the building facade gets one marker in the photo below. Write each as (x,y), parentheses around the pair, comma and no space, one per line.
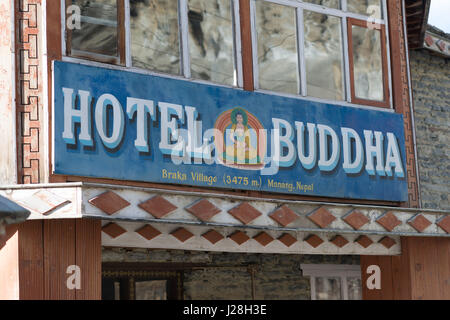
(430,81)
(215,149)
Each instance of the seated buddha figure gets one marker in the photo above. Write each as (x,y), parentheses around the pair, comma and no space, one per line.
(240,150)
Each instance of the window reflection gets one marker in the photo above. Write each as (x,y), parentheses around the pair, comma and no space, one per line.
(211,40)
(277,47)
(354,288)
(98,32)
(323,54)
(328,288)
(367,63)
(370,8)
(327,3)
(154,35)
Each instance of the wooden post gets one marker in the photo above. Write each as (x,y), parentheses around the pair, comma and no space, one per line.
(246,40)
(9,264)
(421,273)
(37,255)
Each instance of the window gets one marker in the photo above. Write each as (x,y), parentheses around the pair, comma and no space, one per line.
(333,50)
(137,282)
(93,30)
(190,38)
(334,282)
(368,84)
(327,50)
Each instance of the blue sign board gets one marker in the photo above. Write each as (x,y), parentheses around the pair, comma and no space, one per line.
(136,127)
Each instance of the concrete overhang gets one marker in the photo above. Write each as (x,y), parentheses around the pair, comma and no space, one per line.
(156,218)
(11,213)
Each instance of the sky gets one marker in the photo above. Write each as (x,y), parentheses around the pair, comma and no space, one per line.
(440,14)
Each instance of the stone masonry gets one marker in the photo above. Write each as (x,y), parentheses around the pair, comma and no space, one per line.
(277,276)
(431,88)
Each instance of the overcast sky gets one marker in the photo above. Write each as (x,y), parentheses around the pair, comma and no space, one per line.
(440,14)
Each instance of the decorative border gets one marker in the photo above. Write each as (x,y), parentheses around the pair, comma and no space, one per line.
(437,44)
(200,209)
(401,94)
(29,86)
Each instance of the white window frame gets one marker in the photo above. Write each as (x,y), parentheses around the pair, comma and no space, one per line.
(343,14)
(183,27)
(341,271)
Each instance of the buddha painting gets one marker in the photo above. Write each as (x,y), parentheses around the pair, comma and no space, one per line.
(241,139)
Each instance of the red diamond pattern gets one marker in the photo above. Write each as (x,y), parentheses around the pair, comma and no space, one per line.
(444,223)
(157,207)
(182,234)
(239,237)
(339,241)
(263,238)
(419,222)
(109,202)
(148,232)
(244,213)
(203,210)
(389,221)
(213,236)
(287,239)
(284,215)
(314,241)
(429,40)
(364,241)
(113,230)
(321,217)
(356,219)
(387,242)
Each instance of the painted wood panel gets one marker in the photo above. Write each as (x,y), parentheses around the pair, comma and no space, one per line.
(421,273)
(246,38)
(443,260)
(401,273)
(31,261)
(88,258)
(59,253)
(9,275)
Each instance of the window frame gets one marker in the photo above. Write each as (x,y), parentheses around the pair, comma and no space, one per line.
(124,59)
(341,271)
(385,102)
(345,16)
(128,274)
(80,54)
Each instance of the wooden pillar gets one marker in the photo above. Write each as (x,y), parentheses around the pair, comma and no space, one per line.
(9,264)
(246,44)
(38,253)
(400,94)
(422,272)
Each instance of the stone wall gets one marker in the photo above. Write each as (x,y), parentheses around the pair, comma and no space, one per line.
(431,89)
(278,276)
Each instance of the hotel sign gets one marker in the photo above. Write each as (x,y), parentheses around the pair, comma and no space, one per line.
(136,127)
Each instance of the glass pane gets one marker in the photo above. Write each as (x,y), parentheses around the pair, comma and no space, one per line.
(327,3)
(154,35)
(371,8)
(98,32)
(328,288)
(211,40)
(354,288)
(277,47)
(151,290)
(367,63)
(323,56)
